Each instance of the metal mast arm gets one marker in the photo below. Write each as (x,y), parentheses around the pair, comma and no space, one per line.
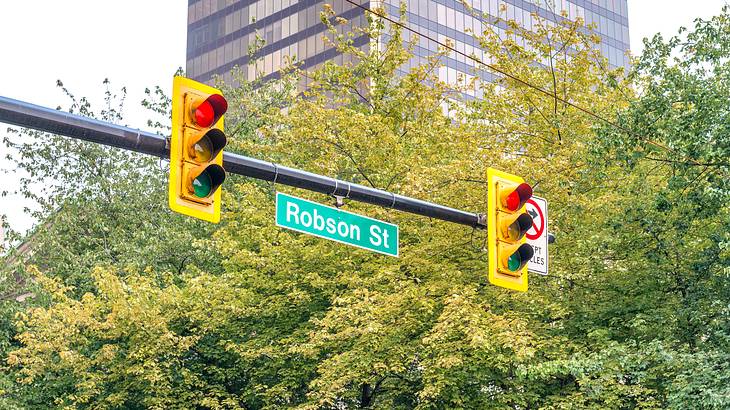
(28,115)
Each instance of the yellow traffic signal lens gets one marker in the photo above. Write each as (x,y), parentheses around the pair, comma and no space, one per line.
(207,147)
(519,227)
(514,232)
(201,150)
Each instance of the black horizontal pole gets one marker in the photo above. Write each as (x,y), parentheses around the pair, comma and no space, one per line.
(28,115)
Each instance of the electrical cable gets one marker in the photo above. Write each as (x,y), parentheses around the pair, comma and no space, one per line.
(521,81)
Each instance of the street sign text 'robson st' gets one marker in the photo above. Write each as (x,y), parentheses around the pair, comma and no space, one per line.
(337,225)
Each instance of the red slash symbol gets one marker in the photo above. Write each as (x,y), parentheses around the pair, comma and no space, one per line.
(541,228)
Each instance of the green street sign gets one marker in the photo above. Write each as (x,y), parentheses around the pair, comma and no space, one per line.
(334,224)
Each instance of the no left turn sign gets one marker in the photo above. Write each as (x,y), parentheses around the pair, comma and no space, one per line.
(538,218)
(537,236)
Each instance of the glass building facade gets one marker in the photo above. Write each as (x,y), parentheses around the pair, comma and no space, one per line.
(221,31)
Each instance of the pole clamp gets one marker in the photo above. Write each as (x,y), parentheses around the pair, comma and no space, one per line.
(339,199)
(481,221)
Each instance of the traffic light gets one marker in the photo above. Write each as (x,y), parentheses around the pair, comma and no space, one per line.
(196,149)
(507,223)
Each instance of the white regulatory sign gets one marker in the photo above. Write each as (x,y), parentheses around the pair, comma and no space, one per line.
(537,236)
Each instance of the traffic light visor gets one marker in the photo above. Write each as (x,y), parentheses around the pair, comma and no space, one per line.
(507,226)
(208,146)
(519,227)
(518,259)
(209,111)
(205,181)
(517,198)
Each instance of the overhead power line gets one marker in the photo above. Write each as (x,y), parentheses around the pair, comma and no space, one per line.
(519,80)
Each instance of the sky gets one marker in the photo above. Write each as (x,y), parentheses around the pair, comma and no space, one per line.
(133,43)
(647,17)
(139,44)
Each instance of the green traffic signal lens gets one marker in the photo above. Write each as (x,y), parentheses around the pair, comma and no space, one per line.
(519,258)
(202,150)
(514,262)
(202,185)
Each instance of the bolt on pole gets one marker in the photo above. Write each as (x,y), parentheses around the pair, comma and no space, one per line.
(28,115)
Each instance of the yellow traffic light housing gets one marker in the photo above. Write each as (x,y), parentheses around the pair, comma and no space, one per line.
(196,149)
(507,223)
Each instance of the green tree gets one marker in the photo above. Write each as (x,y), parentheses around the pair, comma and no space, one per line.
(673,239)
(632,316)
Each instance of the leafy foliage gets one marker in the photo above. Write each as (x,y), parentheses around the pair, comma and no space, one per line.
(140,308)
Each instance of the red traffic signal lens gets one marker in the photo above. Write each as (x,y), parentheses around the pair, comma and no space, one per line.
(210,110)
(204,114)
(517,198)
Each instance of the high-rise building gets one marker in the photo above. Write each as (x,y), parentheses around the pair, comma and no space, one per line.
(221,31)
